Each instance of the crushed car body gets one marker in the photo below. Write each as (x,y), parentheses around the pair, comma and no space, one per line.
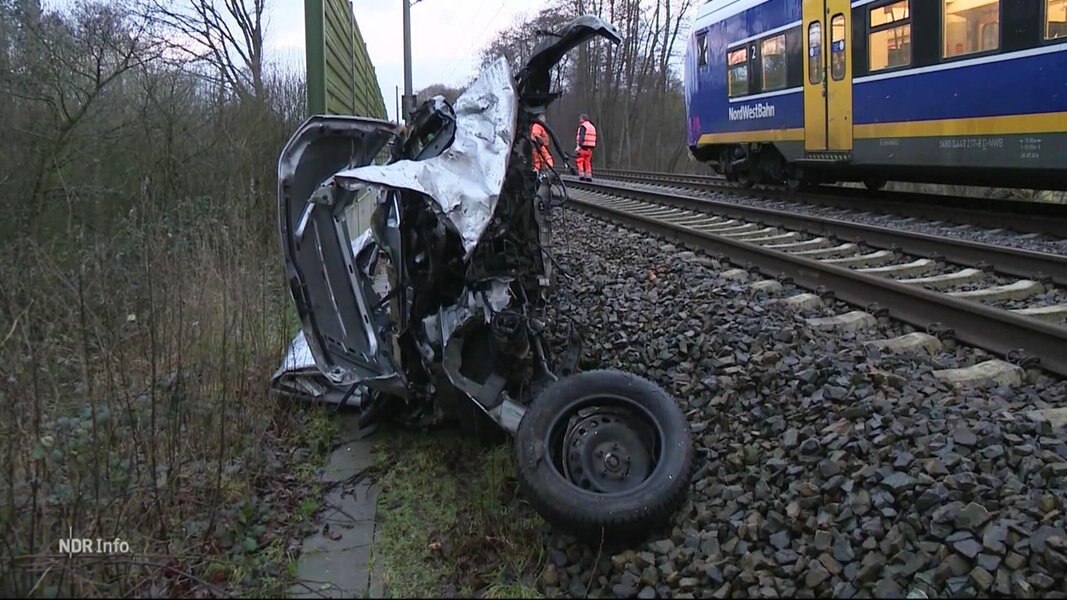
(419,265)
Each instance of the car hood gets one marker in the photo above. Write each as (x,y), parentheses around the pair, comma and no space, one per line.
(465,180)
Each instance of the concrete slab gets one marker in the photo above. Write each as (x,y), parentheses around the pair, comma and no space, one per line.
(768,286)
(940,282)
(850,321)
(880,257)
(1014,291)
(335,561)
(802,301)
(821,253)
(1055,314)
(985,373)
(915,267)
(911,342)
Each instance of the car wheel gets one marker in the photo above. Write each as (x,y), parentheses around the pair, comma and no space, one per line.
(604,455)
(796,184)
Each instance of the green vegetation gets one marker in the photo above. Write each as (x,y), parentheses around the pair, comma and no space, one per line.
(450,519)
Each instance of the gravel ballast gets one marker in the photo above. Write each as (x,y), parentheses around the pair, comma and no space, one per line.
(825,466)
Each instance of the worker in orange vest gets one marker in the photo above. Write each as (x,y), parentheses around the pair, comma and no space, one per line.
(542,158)
(583,150)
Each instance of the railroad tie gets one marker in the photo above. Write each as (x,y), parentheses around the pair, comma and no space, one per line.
(1013,291)
(850,321)
(803,301)
(940,282)
(915,267)
(880,257)
(1056,313)
(985,373)
(821,253)
(768,286)
(910,342)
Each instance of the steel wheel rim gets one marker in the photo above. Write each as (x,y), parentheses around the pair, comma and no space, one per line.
(605,445)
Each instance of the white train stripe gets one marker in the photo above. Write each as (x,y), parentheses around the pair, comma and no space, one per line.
(962,64)
(731,45)
(792,90)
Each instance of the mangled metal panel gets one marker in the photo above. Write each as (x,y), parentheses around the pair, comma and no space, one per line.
(465,180)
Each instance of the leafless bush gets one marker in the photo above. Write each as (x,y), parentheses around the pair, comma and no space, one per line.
(142,311)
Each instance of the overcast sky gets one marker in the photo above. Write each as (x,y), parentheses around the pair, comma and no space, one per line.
(446,36)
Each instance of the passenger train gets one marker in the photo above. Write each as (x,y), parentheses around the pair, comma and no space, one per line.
(946,91)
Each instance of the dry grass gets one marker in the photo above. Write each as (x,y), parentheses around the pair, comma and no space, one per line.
(451,521)
(133,388)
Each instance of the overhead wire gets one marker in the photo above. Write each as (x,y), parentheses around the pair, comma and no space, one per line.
(477,39)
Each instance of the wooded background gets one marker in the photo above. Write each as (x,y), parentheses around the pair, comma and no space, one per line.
(142,306)
(632,92)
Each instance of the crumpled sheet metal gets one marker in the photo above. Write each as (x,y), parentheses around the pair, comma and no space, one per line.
(465,180)
(299,377)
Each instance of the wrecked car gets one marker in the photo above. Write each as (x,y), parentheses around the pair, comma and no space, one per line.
(420,265)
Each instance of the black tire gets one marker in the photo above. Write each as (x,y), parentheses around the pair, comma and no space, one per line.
(627,515)
(746,179)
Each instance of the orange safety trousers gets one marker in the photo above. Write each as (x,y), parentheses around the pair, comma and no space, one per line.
(584,162)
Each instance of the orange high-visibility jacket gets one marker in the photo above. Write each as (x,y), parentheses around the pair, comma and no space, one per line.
(586,135)
(542,158)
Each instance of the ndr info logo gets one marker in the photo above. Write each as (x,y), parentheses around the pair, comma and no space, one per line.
(72,545)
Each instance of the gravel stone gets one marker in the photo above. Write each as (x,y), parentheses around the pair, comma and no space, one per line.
(814,451)
(968,547)
(982,579)
(972,517)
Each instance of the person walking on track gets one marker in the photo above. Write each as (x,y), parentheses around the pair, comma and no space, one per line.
(583,150)
(542,157)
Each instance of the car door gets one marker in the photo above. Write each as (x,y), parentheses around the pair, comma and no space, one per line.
(326,252)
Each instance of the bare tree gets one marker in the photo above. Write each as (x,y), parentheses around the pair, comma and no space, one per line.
(228,39)
(632,91)
(65,69)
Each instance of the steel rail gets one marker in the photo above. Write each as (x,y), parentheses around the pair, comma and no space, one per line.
(1017,215)
(993,329)
(1016,262)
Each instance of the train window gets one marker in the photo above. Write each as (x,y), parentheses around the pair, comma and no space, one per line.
(837,47)
(894,13)
(971,26)
(890,38)
(737,63)
(702,49)
(815,52)
(1056,19)
(772,54)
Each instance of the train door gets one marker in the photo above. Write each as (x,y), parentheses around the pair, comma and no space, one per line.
(827,79)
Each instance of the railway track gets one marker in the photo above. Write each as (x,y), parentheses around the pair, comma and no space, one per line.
(1014,215)
(1003,300)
